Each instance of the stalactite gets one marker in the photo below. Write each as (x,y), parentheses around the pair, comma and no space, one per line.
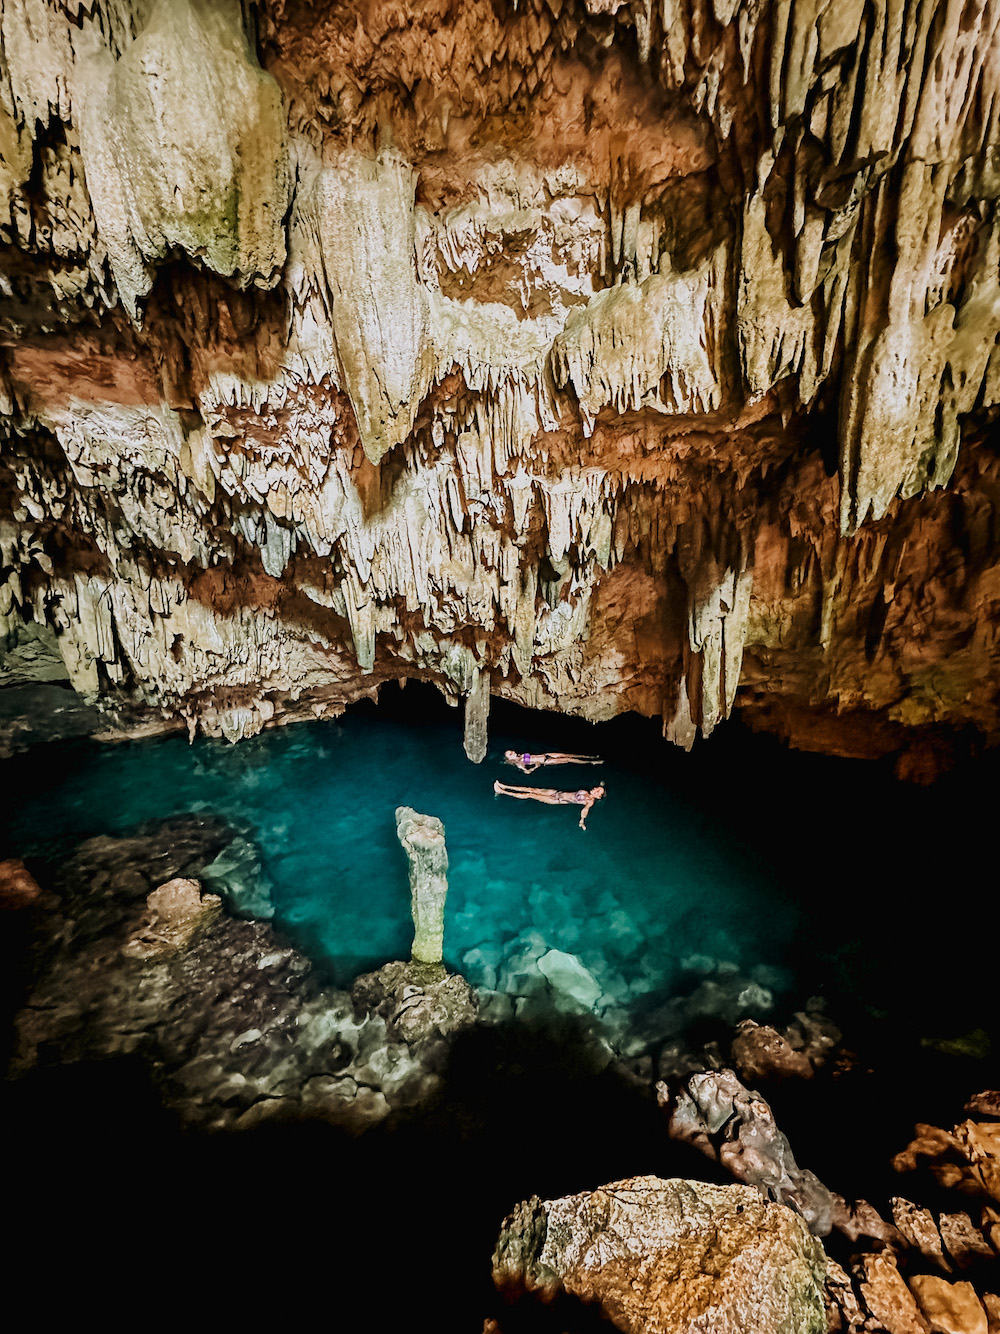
(399,391)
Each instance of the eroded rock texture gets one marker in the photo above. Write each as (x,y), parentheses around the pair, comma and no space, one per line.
(669,1257)
(600,354)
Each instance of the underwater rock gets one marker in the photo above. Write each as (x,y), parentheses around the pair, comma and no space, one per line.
(176,911)
(668,1257)
(18,887)
(422,837)
(569,979)
(238,877)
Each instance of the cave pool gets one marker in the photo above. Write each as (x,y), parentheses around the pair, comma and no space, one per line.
(788,875)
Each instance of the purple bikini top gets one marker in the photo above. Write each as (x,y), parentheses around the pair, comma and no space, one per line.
(526,758)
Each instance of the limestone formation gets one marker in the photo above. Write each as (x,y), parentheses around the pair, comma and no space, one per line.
(731,1123)
(175,913)
(669,1257)
(597,356)
(422,837)
(235,1028)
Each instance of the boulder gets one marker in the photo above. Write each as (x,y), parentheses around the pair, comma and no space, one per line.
(733,1124)
(18,887)
(963,1240)
(986,1103)
(175,913)
(761,1052)
(920,1231)
(949,1308)
(669,1257)
(886,1297)
(569,979)
(416,1000)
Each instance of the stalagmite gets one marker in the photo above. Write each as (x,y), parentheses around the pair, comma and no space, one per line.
(422,837)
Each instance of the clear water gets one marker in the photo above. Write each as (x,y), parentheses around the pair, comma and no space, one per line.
(649,889)
(806,875)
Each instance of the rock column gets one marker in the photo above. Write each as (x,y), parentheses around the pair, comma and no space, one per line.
(422,837)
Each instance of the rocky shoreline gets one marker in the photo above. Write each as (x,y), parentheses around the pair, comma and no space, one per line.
(134,956)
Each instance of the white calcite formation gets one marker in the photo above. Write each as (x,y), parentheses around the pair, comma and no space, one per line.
(422,838)
(515,351)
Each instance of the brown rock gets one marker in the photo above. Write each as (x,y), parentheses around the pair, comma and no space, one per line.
(962,1239)
(18,887)
(175,912)
(950,1308)
(992,1304)
(986,1103)
(887,1297)
(920,1231)
(669,1257)
(928,1142)
(842,1309)
(761,1052)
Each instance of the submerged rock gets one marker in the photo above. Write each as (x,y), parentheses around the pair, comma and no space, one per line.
(237,875)
(569,979)
(669,1257)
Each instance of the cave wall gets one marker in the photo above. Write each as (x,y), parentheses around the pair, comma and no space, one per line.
(597,355)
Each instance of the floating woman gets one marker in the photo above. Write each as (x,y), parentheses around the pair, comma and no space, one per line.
(552,797)
(529,763)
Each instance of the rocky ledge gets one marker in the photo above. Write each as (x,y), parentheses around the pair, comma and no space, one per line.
(233,1023)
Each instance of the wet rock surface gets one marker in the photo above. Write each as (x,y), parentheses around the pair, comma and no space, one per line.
(233,1023)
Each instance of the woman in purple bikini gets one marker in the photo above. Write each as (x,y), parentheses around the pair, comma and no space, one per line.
(552,797)
(529,763)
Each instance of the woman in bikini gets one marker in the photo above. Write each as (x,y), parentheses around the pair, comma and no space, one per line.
(552,797)
(529,763)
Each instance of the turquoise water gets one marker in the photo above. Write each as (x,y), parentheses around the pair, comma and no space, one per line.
(741,870)
(653,890)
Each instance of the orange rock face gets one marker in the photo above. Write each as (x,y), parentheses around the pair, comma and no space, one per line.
(18,887)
